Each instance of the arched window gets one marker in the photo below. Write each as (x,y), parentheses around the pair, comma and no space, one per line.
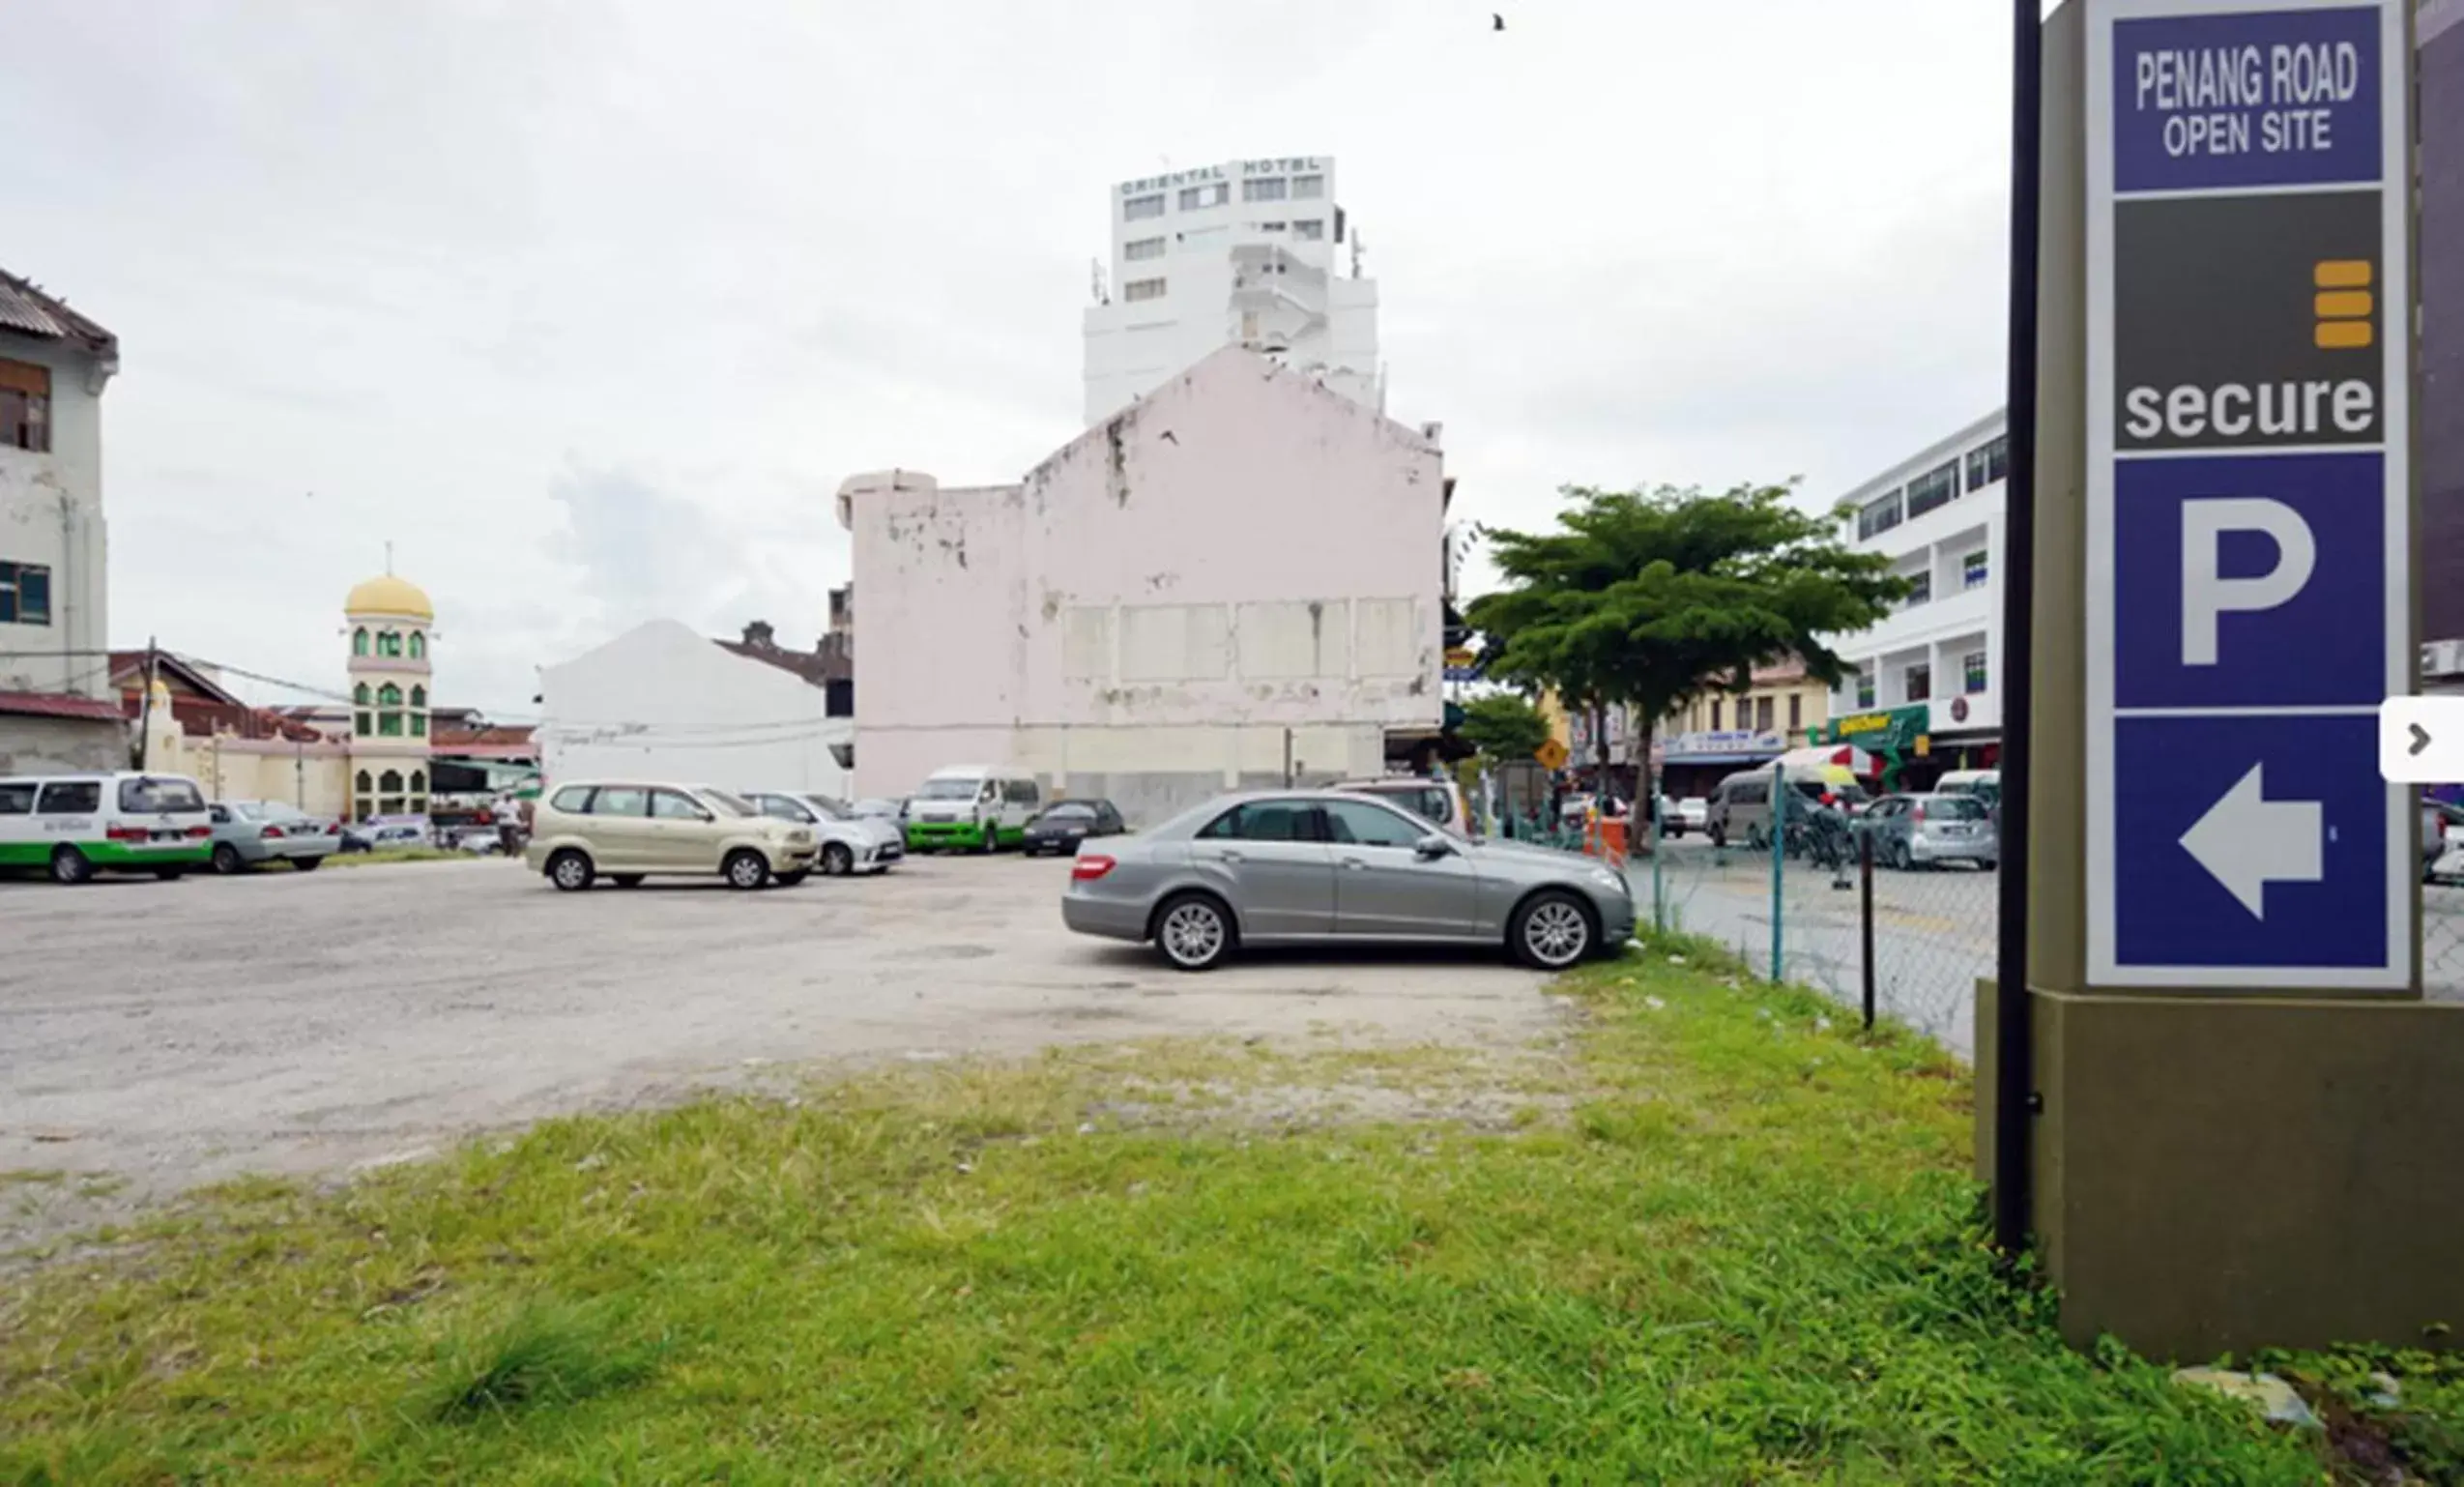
(366,785)
(419,646)
(389,696)
(359,695)
(389,782)
(388,643)
(419,696)
(359,641)
(419,781)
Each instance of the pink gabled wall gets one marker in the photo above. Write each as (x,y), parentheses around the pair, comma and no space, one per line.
(1236,484)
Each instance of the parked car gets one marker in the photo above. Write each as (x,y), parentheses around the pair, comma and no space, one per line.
(880,809)
(629,831)
(974,805)
(1060,827)
(1919,831)
(370,836)
(2441,842)
(73,826)
(1692,814)
(251,833)
(849,843)
(1441,801)
(1316,866)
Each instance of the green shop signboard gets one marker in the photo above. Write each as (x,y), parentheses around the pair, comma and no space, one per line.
(1891,735)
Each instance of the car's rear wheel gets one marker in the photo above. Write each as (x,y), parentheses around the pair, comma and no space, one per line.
(306,864)
(1551,931)
(745,869)
(1194,932)
(626,880)
(571,871)
(227,858)
(69,865)
(837,862)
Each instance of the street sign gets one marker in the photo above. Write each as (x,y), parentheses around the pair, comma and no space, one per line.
(2250,310)
(1551,754)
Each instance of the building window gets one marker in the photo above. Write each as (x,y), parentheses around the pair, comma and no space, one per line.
(359,641)
(25,406)
(1920,588)
(1193,197)
(1143,289)
(1879,517)
(359,695)
(1271,189)
(1139,208)
(1972,672)
(419,726)
(419,781)
(389,783)
(1864,688)
(1933,489)
(1796,710)
(361,725)
(1143,248)
(389,642)
(25,594)
(388,725)
(389,696)
(1310,229)
(1762,713)
(1272,226)
(367,786)
(1920,682)
(1972,571)
(1988,464)
(419,696)
(1308,187)
(1716,711)
(419,646)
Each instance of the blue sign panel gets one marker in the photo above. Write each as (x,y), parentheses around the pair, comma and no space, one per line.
(2250,842)
(2250,294)
(2245,581)
(2269,98)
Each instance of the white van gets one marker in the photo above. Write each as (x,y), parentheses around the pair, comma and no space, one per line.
(1984,784)
(74,826)
(975,806)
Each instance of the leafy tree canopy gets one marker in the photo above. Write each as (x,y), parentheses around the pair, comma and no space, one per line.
(1504,726)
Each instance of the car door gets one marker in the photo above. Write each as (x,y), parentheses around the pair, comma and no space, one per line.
(1384,887)
(684,833)
(619,829)
(1266,858)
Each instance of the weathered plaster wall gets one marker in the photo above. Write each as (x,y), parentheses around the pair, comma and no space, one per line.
(51,513)
(1239,554)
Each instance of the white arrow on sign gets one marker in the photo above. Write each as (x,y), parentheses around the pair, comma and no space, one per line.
(2247,841)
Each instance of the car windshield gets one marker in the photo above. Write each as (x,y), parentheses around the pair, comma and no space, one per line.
(948,790)
(827,808)
(1954,807)
(728,805)
(1074,810)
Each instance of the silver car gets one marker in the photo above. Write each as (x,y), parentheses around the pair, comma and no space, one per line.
(1281,867)
(247,833)
(1917,831)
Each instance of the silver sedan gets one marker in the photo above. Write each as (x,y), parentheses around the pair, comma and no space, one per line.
(247,832)
(1283,867)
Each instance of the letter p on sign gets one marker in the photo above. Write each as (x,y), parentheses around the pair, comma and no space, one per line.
(2206,595)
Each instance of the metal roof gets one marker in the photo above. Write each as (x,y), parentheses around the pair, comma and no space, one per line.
(29,310)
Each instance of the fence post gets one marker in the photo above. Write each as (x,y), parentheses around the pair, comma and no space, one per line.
(1659,899)
(1779,835)
(1865,917)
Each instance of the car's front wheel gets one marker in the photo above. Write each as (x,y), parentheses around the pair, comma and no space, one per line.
(1194,932)
(837,862)
(1551,931)
(747,869)
(571,871)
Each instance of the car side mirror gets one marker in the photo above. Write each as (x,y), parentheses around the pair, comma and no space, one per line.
(1432,847)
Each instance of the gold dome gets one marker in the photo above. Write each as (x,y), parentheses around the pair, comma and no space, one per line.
(386,593)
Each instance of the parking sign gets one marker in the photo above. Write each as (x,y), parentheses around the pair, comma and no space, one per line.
(2249,502)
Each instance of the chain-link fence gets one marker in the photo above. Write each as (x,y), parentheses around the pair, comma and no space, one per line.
(2442,940)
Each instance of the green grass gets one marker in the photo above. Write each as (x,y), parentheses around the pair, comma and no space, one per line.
(1716,1239)
(380,855)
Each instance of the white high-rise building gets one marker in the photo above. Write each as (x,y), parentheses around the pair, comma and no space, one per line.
(1251,252)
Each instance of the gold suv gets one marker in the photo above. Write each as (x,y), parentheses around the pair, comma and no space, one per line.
(629,831)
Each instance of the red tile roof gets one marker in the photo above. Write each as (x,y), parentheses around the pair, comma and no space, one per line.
(58,704)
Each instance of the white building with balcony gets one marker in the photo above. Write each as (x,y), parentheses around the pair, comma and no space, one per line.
(1250,253)
(1937,515)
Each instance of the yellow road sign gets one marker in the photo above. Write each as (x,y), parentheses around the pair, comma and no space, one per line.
(1551,754)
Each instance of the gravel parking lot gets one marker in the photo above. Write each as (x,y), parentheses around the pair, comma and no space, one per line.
(155,1035)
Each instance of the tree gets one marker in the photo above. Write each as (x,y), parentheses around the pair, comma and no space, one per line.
(1503,726)
(1649,598)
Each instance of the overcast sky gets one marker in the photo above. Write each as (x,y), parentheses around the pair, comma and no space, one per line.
(588,304)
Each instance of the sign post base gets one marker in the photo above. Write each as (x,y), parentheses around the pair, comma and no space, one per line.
(2217,1172)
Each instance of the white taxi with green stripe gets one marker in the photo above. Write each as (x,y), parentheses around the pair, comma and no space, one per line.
(74,825)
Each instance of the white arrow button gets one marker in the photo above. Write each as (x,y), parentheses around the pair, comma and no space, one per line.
(2247,841)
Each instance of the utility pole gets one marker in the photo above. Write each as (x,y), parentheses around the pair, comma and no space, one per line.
(145,709)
